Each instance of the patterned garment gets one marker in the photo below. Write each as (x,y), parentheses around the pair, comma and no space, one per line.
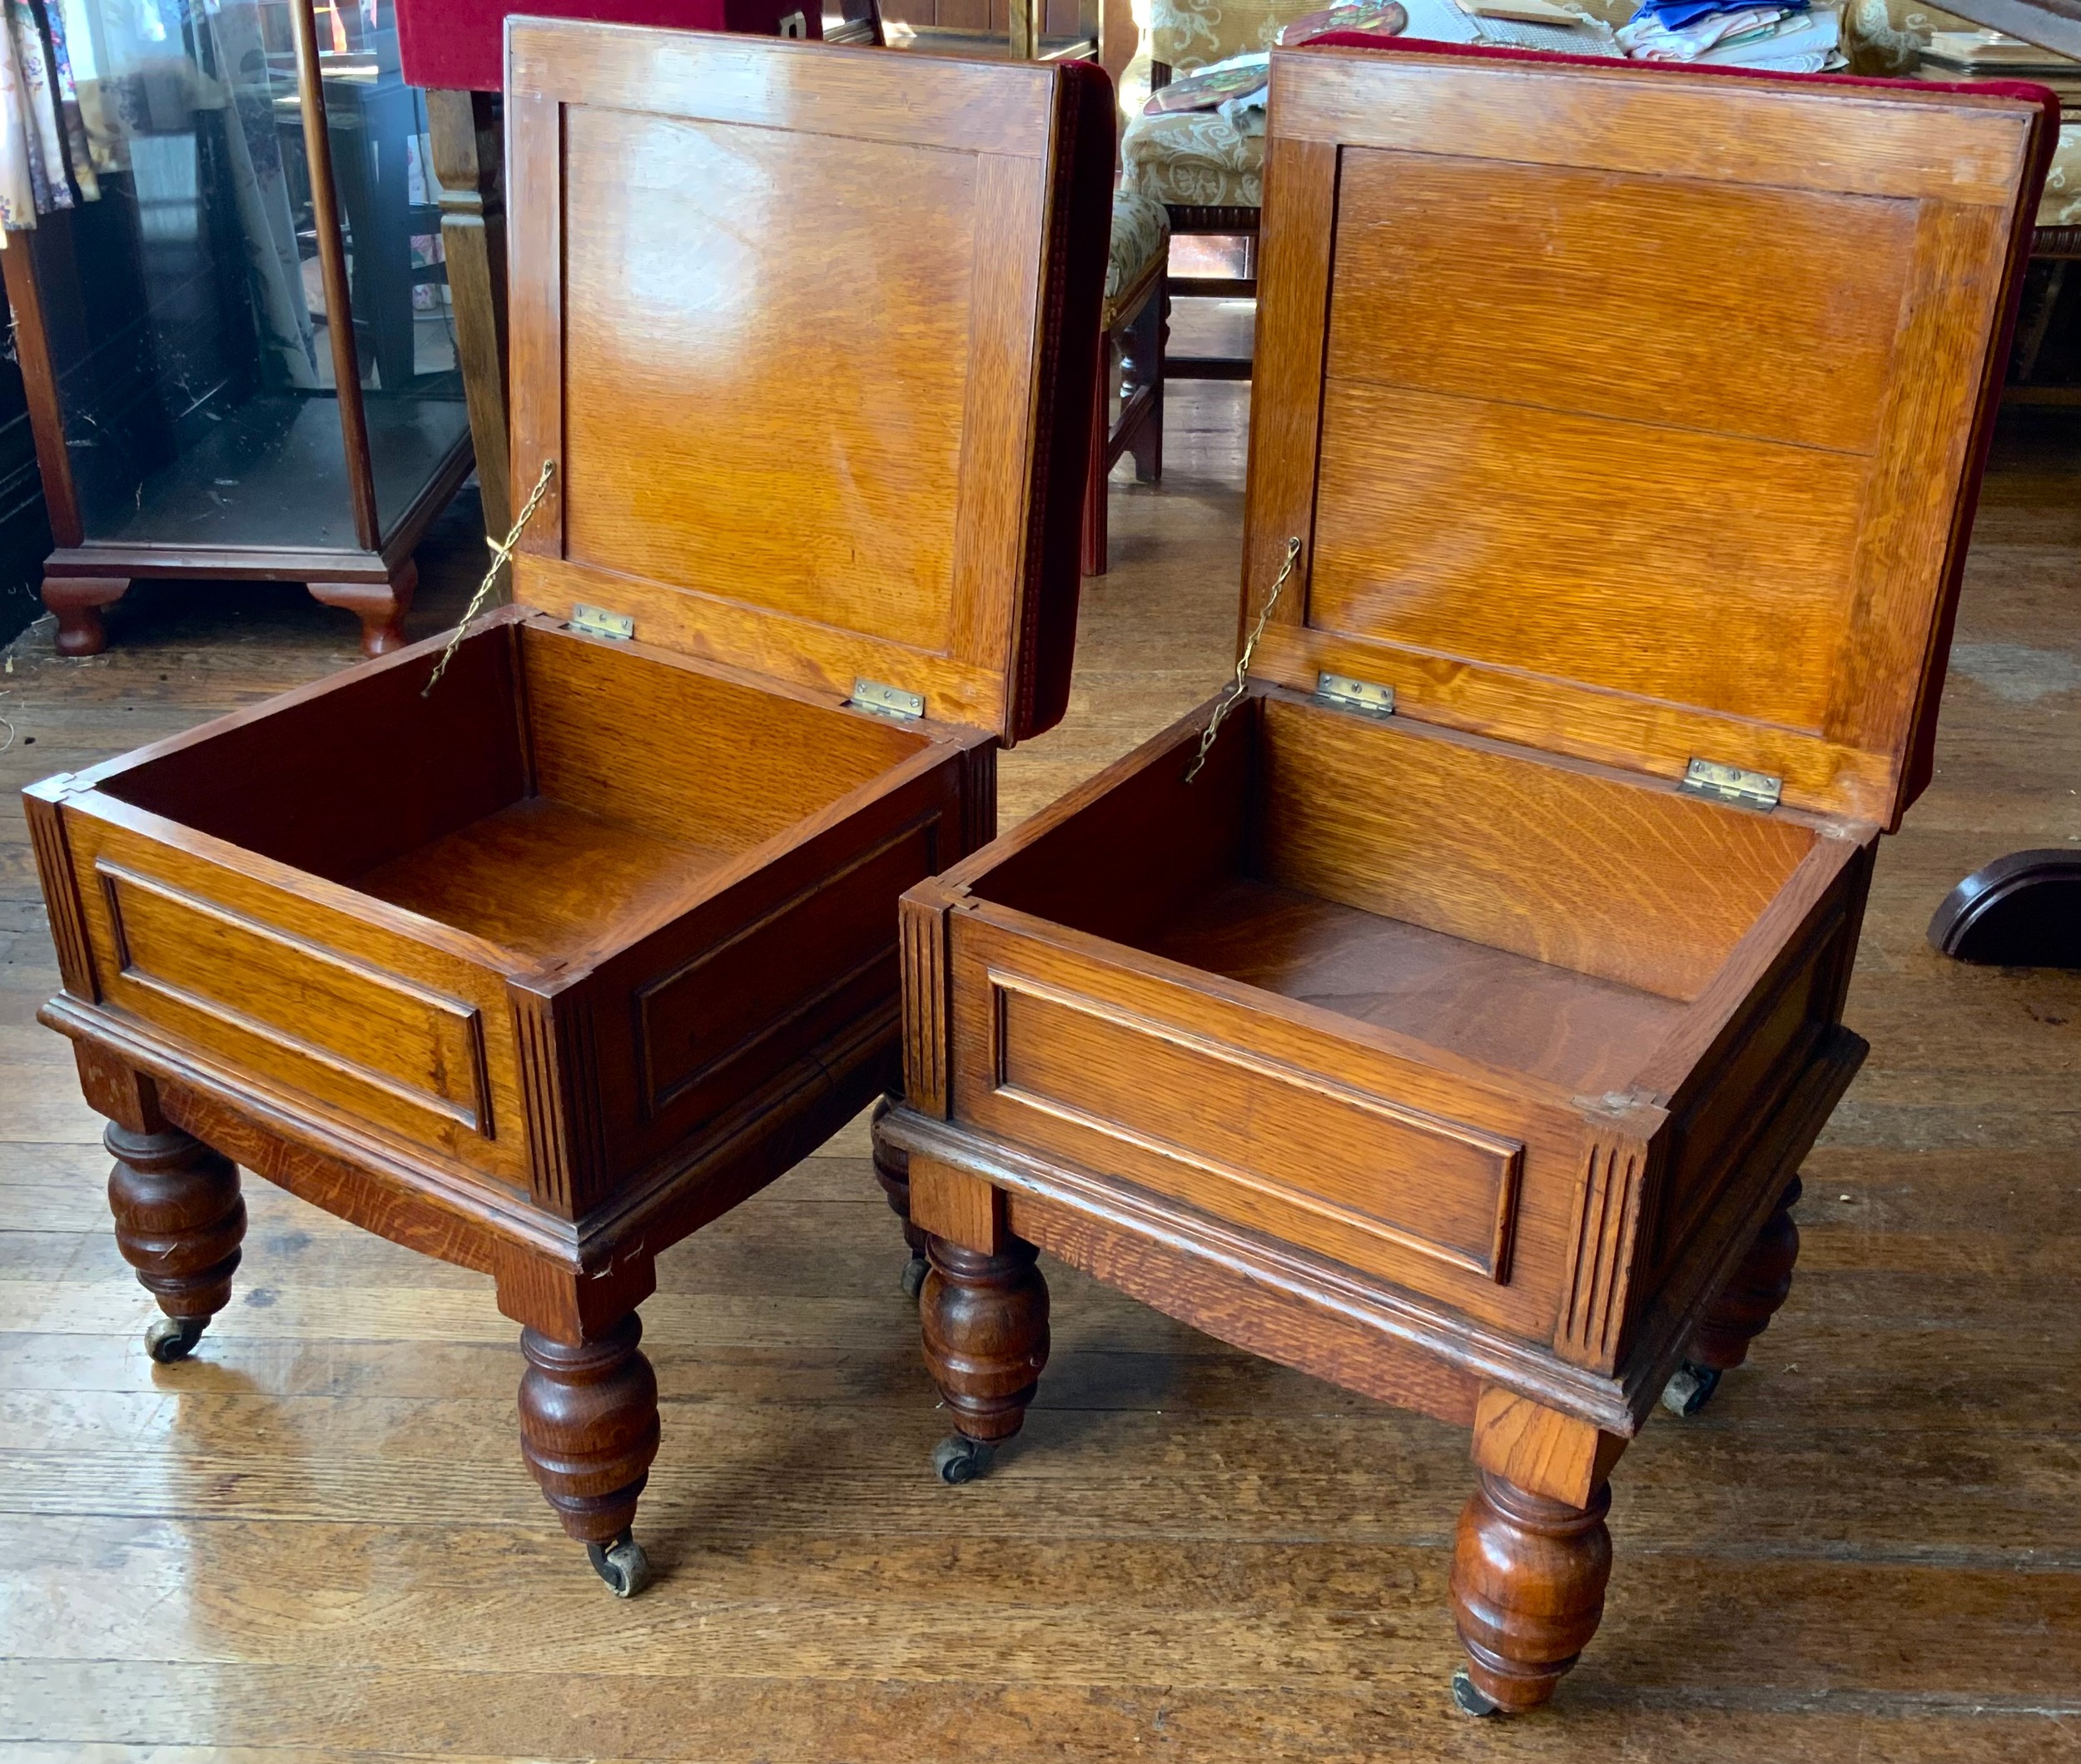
(17,192)
(48,177)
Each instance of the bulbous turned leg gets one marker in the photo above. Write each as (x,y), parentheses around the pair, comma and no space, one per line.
(1742,1311)
(588,1430)
(1528,1576)
(179,1221)
(893,1170)
(985,1329)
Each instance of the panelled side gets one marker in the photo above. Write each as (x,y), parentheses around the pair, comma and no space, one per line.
(293,995)
(1438,1182)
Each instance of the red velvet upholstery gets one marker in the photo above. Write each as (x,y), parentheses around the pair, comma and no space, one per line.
(459,45)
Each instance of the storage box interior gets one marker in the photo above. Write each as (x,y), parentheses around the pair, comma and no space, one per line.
(1548,918)
(552,794)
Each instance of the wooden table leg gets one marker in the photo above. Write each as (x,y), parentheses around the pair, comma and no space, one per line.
(467,157)
(77,601)
(179,1217)
(589,1431)
(1742,1311)
(380,606)
(893,1170)
(984,1314)
(1528,1587)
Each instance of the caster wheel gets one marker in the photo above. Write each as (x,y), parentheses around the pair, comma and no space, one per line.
(958,1458)
(914,1272)
(171,1339)
(621,1564)
(1690,1388)
(1468,1699)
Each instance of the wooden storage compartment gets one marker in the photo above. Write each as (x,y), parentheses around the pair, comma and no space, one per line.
(567,792)
(1551,920)
(1457,1031)
(1447,974)
(541,962)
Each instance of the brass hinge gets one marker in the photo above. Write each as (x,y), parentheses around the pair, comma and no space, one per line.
(1360,695)
(888,701)
(596,621)
(1708,777)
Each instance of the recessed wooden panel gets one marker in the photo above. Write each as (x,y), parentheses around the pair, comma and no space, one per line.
(1701,570)
(1259,1143)
(315,1018)
(751,281)
(1591,281)
(1639,885)
(756,996)
(1643,436)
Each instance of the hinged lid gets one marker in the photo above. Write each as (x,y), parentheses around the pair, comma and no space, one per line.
(809,333)
(1631,413)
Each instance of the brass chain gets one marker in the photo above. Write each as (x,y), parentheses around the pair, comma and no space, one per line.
(1243,663)
(501,555)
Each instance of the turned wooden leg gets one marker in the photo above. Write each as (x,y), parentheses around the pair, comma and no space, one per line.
(179,1221)
(588,1430)
(985,1328)
(380,606)
(893,1170)
(1528,1576)
(77,601)
(1742,1311)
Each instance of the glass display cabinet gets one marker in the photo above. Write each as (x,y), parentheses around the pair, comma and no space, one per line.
(239,351)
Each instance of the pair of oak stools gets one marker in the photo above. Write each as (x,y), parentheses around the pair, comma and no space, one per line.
(1449,1022)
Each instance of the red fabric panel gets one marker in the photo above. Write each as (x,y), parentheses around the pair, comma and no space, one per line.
(459,45)
(1917,764)
(1079,244)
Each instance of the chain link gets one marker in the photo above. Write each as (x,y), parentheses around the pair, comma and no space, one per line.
(501,555)
(1243,663)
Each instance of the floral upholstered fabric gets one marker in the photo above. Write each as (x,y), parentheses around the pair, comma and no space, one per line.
(1186,34)
(1886,37)
(1197,158)
(1141,234)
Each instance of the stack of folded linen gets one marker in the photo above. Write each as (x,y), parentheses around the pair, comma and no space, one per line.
(1778,37)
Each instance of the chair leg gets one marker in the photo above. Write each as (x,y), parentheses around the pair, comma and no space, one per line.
(1145,341)
(1093,562)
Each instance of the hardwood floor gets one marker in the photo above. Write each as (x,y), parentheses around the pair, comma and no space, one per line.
(315,1541)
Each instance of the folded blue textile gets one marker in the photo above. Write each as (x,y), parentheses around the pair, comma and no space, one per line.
(1674,14)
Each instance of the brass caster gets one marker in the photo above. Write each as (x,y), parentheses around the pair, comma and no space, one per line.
(914,1272)
(1468,1697)
(621,1564)
(171,1339)
(1690,1388)
(957,1458)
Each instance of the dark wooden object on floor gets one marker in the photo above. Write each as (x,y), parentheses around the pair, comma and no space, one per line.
(624,947)
(1454,1026)
(2021,910)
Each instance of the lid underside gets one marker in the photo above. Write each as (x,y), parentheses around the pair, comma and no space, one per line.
(1630,414)
(778,319)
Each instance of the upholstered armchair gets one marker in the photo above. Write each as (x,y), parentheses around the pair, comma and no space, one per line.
(1206,172)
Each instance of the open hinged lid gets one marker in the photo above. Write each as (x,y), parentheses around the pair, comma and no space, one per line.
(1630,413)
(809,335)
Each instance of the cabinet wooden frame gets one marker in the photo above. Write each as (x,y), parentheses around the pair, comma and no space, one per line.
(1453,1026)
(539,953)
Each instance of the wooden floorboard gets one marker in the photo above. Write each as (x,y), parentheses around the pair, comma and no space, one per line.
(316,1542)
